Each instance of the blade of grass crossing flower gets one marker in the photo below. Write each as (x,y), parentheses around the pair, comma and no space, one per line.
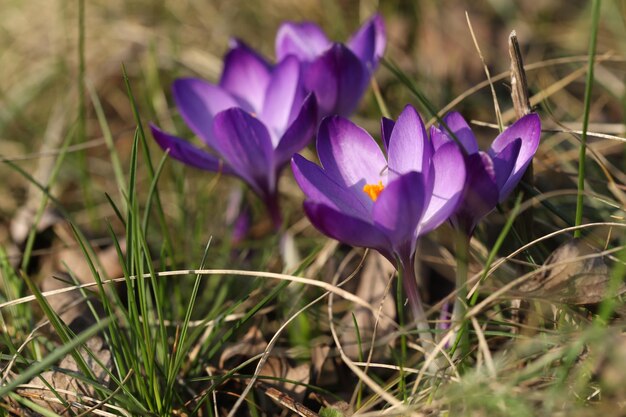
(426,104)
(380,101)
(595,22)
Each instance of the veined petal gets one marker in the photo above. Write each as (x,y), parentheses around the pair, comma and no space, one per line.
(198,102)
(187,153)
(399,208)
(320,188)
(338,78)
(246,145)
(350,156)
(246,75)
(284,97)
(409,147)
(346,229)
(304,40)
(448,168)
(299,133)
(528,130)
(368,43)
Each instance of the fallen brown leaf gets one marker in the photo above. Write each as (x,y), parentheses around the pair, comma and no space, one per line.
(578,276)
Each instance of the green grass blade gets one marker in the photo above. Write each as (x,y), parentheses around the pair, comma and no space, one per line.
(595,22)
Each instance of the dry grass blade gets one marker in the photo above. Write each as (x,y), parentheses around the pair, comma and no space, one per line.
(217,272)
(496,106)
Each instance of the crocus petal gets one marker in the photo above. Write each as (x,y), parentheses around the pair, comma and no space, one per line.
(481,192)
(198,102)
(299,133)
(349,155)
(448,167)
(399,208)
(368,43)
(284,97)
(246,75)
(457,124)
(304,40)
(386,127)
(345,228)
(320,188)
(504,163)
(338,79)
(246,145)
(528,129)
(187,153)
(409,147)
(438,138)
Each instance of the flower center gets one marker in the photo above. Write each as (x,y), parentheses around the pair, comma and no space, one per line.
(373,190)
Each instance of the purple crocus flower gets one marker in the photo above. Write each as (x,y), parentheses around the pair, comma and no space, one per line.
(491,175)
(338,74)
(253,121)
(362,198)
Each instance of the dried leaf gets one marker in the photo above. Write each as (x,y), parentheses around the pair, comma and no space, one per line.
(276,367)
(572,280)
(250,345)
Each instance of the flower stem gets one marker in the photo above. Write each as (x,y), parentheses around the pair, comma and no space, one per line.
(406,272)
(462,241)
(273,209)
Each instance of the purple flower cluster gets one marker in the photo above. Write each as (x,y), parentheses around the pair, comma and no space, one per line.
(362,198)
(260,114)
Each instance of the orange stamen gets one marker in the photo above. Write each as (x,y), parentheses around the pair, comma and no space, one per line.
(373,190)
